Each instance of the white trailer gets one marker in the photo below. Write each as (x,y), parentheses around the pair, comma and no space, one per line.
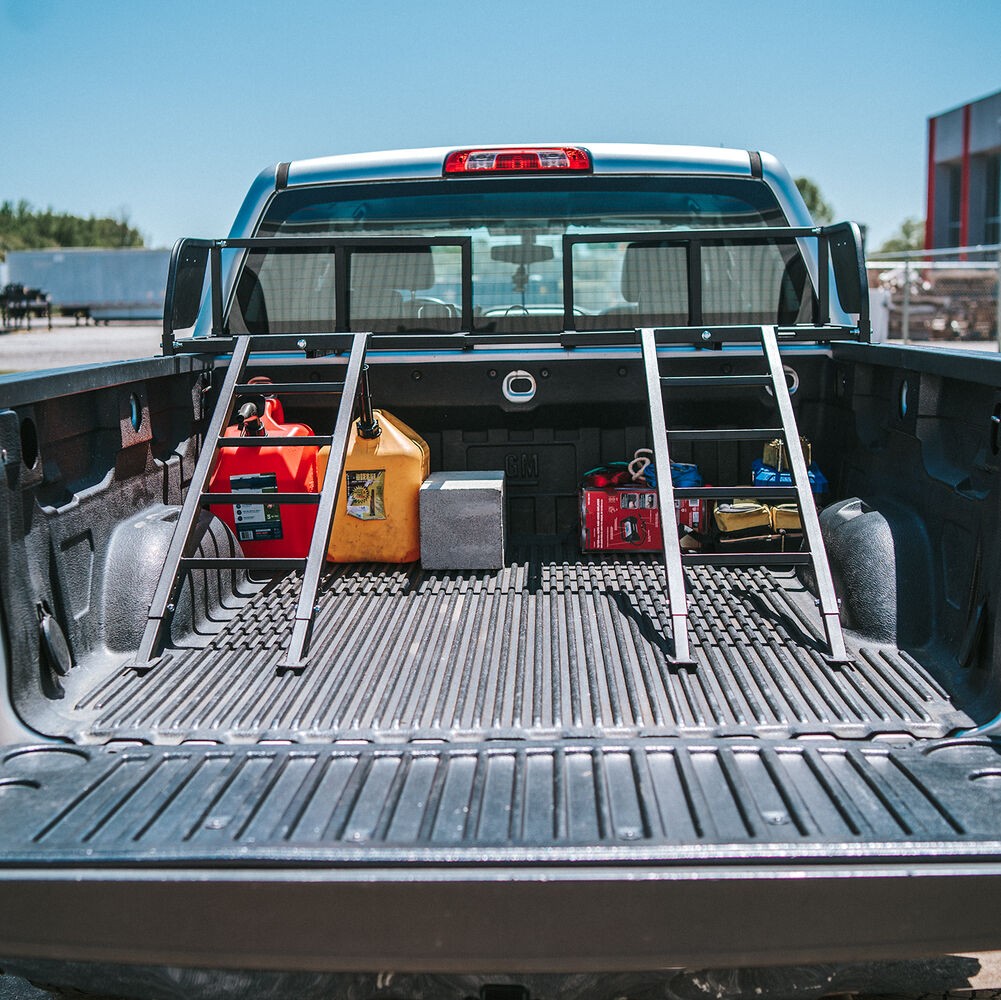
(100,284)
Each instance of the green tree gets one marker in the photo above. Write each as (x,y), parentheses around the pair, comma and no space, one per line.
(910,236)
(820,210)
(25,228)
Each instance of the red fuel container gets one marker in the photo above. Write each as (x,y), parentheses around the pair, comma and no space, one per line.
(268,530)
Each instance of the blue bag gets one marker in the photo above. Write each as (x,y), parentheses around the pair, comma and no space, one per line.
(682,475)
(767,475)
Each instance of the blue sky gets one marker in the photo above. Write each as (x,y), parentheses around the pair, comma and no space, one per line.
(167,110)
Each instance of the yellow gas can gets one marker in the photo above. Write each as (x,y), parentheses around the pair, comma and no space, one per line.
(376,519)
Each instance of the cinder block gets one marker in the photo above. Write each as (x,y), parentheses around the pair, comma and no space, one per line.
(462,520)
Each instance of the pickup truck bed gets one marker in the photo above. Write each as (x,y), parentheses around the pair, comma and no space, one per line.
(500,743)
(376,772)
(557,645)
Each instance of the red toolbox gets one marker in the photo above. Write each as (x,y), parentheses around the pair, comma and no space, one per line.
(627,518)
(694,513)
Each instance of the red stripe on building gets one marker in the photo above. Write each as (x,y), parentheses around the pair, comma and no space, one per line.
(930,213)
(964,196)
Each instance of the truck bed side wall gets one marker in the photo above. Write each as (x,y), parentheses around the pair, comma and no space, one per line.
(925,451)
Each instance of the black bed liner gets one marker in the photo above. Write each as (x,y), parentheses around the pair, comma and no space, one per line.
(557,645)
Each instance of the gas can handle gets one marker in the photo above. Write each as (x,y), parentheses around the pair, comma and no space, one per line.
(272,404)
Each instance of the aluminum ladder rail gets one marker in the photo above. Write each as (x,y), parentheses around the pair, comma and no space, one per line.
(180,559)
(674,559)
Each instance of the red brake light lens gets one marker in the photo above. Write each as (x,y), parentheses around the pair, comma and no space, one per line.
(564,158)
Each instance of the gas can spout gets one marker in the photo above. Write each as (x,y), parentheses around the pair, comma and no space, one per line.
(368,426)
(250,422)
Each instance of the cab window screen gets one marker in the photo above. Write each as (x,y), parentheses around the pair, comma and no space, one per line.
(517,230)
(759,283)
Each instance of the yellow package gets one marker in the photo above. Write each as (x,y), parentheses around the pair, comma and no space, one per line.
(785,517)
(742,515)
(775,453)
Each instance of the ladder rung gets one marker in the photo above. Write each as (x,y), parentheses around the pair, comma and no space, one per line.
(729,492)
(708,381)
(728,434)
(306,440)
(285,388)
(247,562)
(248,497)
(747,558)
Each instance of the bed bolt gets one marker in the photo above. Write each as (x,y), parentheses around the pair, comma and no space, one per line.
(170,609)
(706,335)
(301,344)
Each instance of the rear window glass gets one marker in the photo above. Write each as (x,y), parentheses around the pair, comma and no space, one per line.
(516,227)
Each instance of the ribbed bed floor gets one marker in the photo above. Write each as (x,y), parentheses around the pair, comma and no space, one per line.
(554,645)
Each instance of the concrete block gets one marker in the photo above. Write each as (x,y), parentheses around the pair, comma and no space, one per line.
(462,520)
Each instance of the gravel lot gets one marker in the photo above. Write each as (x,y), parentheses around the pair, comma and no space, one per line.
(65,345)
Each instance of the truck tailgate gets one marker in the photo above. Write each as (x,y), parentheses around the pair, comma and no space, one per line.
(571,856)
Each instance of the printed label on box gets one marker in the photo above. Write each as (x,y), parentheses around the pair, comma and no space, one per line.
(256,522)
(614,519)
(627,519)
(691,512)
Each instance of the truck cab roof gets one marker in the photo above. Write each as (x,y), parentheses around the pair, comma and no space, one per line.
(606,158)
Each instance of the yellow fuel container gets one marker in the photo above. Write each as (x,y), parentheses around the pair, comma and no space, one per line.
(377,517)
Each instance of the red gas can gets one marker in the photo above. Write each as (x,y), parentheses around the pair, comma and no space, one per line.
(267,530)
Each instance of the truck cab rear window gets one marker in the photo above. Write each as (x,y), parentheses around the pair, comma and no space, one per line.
(517,228)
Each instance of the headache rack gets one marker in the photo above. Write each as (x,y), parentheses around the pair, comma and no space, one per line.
(835,255)
(838,256)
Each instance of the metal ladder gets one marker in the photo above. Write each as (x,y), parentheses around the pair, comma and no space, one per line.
(815,554)
(180,561)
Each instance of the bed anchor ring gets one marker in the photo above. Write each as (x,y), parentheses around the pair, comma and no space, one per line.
(519,386)
(792,381)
